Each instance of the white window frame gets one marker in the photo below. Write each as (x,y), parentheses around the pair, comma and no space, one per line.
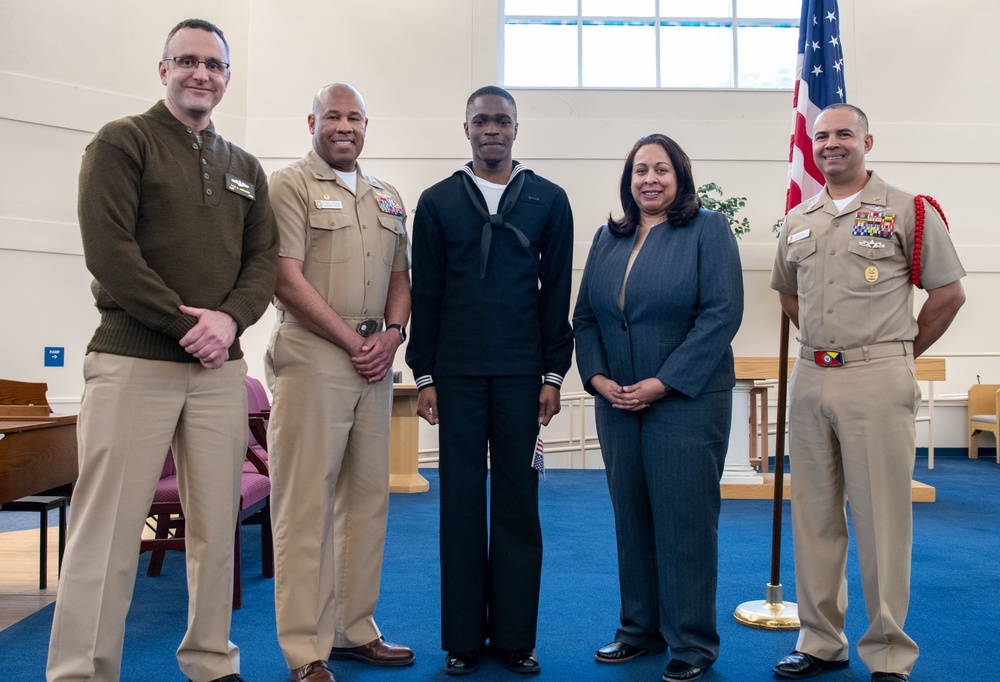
(734,21)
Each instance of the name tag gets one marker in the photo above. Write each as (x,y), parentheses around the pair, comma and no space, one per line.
(241,187)
(798,236)
(327,203)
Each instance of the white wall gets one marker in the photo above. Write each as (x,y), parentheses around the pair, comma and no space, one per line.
(66,68)
(924,76)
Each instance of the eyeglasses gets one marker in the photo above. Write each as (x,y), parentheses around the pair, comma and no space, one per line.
(188,63)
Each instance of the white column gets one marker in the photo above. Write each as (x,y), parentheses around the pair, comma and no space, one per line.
(738,469)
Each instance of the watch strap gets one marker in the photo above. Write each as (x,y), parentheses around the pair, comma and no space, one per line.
(400,329)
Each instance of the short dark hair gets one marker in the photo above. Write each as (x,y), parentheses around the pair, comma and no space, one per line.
(856,110)
(196,23)
(681,210)
(490,90)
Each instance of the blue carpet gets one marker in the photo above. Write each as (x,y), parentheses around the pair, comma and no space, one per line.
(956,589)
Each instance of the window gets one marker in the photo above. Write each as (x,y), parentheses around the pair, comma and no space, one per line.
(649,43)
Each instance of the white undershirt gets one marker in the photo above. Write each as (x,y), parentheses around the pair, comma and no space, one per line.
(492,193)
(841,203)
(350,179)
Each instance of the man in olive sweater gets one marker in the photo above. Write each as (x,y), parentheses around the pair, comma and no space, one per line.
(179,235)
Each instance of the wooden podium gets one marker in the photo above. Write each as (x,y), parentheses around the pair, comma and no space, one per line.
(404,438)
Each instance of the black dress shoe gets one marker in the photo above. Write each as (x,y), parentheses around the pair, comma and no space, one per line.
(681,671)
(521,661)
(619,652)
(461,662)
(889,677)
(228,678)
(799,665)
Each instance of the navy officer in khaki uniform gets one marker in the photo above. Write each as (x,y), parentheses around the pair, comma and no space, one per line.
(845,270)
(343,300)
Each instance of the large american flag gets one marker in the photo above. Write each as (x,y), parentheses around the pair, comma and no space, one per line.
(820,83)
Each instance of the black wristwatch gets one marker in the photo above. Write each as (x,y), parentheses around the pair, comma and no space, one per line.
(400,328)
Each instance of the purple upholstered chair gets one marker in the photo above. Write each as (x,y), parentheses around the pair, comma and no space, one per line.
(255,490)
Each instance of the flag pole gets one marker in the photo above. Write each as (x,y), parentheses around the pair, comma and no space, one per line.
(819,83)
(773,613)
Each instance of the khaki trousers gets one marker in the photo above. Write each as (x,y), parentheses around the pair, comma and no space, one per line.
(132,411)
(329,461)
(851,436)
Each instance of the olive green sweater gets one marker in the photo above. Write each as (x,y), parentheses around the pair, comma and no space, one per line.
(162,226)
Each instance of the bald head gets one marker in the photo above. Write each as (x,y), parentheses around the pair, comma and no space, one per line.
(324,93)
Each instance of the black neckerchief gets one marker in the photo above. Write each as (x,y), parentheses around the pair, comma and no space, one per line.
(494,221)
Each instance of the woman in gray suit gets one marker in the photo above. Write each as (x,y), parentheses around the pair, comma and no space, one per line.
(660,302)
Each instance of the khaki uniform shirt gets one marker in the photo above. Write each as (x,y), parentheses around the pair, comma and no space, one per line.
(850,268)
(349,244)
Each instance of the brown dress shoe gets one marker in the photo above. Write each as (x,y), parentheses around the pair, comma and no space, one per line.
(317,671)
(376,652)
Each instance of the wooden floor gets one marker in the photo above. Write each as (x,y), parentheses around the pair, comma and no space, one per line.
(19,593)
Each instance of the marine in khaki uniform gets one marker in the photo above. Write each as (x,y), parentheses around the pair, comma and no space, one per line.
(343,300)
(843,275)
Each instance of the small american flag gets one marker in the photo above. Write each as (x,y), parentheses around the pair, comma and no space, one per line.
(538,457)
(820,83)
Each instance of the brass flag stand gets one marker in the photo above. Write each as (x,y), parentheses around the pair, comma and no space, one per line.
(772,613)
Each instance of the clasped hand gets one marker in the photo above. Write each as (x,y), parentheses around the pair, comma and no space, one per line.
(211,336)
(374,358)
(633,398)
